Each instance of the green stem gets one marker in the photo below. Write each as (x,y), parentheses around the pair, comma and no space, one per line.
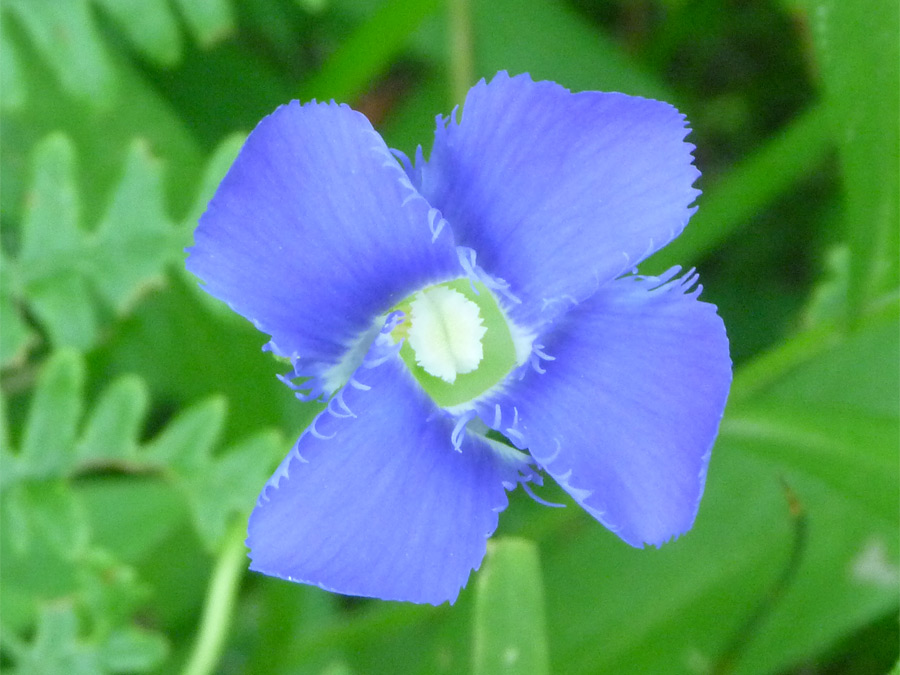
(219,606)
(462,68)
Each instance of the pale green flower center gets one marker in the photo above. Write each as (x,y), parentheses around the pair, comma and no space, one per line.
(445,332)
(458,342)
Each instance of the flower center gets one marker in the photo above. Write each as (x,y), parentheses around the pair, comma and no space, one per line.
(445,332)
(458,341)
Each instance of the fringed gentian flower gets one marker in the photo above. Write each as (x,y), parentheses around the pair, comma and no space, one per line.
(491,287)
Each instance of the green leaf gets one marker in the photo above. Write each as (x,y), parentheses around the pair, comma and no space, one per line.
(43,536)
(510,632)
(217,166)
(132,650)
(859,51)
(46,513)
(150,25)
(51,215)
(114,425)
(186,351)
(52,423)
(109,591)
(855,372)
(65,34)
(216,486)
(63,304)
(135,240)
(59,648)
(188,440)
(103,134)
(676,609)
(852,452)
(368,51)
(50,235)
(732,200)
(11,76)
(61,267)
(56,649)
(48,548)
(15,334)
(210,21)
(550,41)
(150,506)
(230,484)
(896,669)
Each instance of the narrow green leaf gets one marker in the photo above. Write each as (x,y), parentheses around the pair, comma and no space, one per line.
(731,201)
(827,303)
(366,53)
(510,632)
(859,49)
(768,371)
(854,453)
(550,41)
(674,610)
(857,372)
(53,418)
(114,425)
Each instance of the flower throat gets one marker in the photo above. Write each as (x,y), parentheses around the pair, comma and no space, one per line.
(457,341)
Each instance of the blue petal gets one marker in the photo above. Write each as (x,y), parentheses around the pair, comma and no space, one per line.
(375,501)
(316,230)
(557,192)
(625,414)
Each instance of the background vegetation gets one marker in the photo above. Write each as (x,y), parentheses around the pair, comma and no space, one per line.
(140,418)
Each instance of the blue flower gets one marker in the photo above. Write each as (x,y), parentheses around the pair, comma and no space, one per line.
(491,287)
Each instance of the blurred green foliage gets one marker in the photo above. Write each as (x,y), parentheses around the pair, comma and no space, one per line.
(140,419)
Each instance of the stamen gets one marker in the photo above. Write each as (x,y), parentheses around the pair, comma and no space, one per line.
(531,494)
(459,431)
